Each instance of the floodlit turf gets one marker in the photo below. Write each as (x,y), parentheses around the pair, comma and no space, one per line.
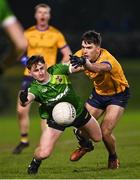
(93,165)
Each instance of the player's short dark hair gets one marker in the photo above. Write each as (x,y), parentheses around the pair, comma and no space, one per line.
(42,5)
(34,60)
(92,36)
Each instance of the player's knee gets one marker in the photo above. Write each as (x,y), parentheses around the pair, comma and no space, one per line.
(105,131)
(21,113)
(98,137)
(44,153)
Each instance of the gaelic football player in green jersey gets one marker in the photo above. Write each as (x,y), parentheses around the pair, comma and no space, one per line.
(49,88)
(46,40)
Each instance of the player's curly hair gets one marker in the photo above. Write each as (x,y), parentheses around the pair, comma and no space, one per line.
(34,60)
(92,36)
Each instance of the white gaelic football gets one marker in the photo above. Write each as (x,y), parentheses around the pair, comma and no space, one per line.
(64,113)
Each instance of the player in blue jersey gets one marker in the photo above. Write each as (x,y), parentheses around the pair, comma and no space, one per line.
(49,88)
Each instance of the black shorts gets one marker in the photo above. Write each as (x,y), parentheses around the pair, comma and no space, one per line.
(101,102)
(27,80)
(78,122)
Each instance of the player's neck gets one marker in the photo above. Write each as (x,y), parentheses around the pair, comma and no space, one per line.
(47,78)
(97,56)
(42,27)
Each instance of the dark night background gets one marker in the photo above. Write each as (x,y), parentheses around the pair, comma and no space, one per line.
(116,20)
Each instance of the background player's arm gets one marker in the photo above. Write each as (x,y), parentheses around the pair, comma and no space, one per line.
(64,48)
(65,53)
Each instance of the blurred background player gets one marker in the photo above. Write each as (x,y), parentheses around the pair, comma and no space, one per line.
(110,93)
(13,28)
(44,40)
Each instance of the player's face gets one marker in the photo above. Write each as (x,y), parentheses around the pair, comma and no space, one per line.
(39,72)
(90,51)
(42,15)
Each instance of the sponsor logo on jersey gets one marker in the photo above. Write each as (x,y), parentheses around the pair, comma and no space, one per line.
(44,90)
(59,78)
(59,96)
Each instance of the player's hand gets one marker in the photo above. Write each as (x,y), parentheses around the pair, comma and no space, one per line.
(24,60)
(77,61)
(23,96)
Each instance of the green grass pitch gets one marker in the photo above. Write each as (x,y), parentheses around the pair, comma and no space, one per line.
(91,166)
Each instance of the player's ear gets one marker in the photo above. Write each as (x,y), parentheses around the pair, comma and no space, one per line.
(98,49)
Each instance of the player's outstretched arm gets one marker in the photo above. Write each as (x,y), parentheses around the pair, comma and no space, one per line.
(77,62)
(25,97)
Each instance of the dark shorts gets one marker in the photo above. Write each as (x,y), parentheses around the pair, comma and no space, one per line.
(78,122)
(101,102)
(27,80)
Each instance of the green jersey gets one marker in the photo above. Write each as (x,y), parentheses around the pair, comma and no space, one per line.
(57,89)
(6,15)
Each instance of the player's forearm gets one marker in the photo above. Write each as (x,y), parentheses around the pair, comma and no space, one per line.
(96,67)
(15,32)
(91,67)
